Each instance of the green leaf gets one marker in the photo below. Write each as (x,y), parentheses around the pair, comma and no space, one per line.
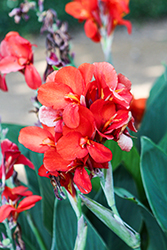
(154,124)
(65,229)
(157,239)
(154,175)
(128,235)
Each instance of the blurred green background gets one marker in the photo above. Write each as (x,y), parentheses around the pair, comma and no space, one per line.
(140,10)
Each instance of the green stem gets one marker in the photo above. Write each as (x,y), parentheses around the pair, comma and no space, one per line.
(106,43)
(9,233)
(36,233)
(108,188)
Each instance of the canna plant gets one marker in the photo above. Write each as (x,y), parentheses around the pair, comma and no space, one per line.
(93,180)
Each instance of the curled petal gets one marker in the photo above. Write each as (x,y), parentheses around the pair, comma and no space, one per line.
(82,180)
(32,77)
(28,203)
(23,160)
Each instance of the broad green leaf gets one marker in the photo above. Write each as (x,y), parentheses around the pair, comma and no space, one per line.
(65,229)
(154,175)
(154,124)
(128,235)
(157,239)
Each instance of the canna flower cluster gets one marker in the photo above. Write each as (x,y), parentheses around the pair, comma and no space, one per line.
(100,16)
(12,205)
(16,55)
(81,109)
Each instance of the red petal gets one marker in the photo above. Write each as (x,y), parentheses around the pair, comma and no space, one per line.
(32,138)
(28,202)
(32,77)
(71,77)
(82,180)
(106,74)
(91,29)
(5,211)
(77,10)
(99,152)
(3,85)
(54,162)
(51,94)
(102,111)
(87,71)
(10,64)
(23,160)
(69,147)
(71,115)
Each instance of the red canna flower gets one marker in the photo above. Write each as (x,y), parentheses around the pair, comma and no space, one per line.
(65,90)
(11,211)
(16,55)
(15,193)
(82,108)
(11,156)
(99,15)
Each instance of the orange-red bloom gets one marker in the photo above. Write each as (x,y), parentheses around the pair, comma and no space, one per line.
(95,12)
(13,210)
(82,108)
(16,55)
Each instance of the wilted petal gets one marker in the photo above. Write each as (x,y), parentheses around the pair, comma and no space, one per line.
(125,142)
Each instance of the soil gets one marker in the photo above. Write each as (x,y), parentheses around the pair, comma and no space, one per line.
(138,56)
